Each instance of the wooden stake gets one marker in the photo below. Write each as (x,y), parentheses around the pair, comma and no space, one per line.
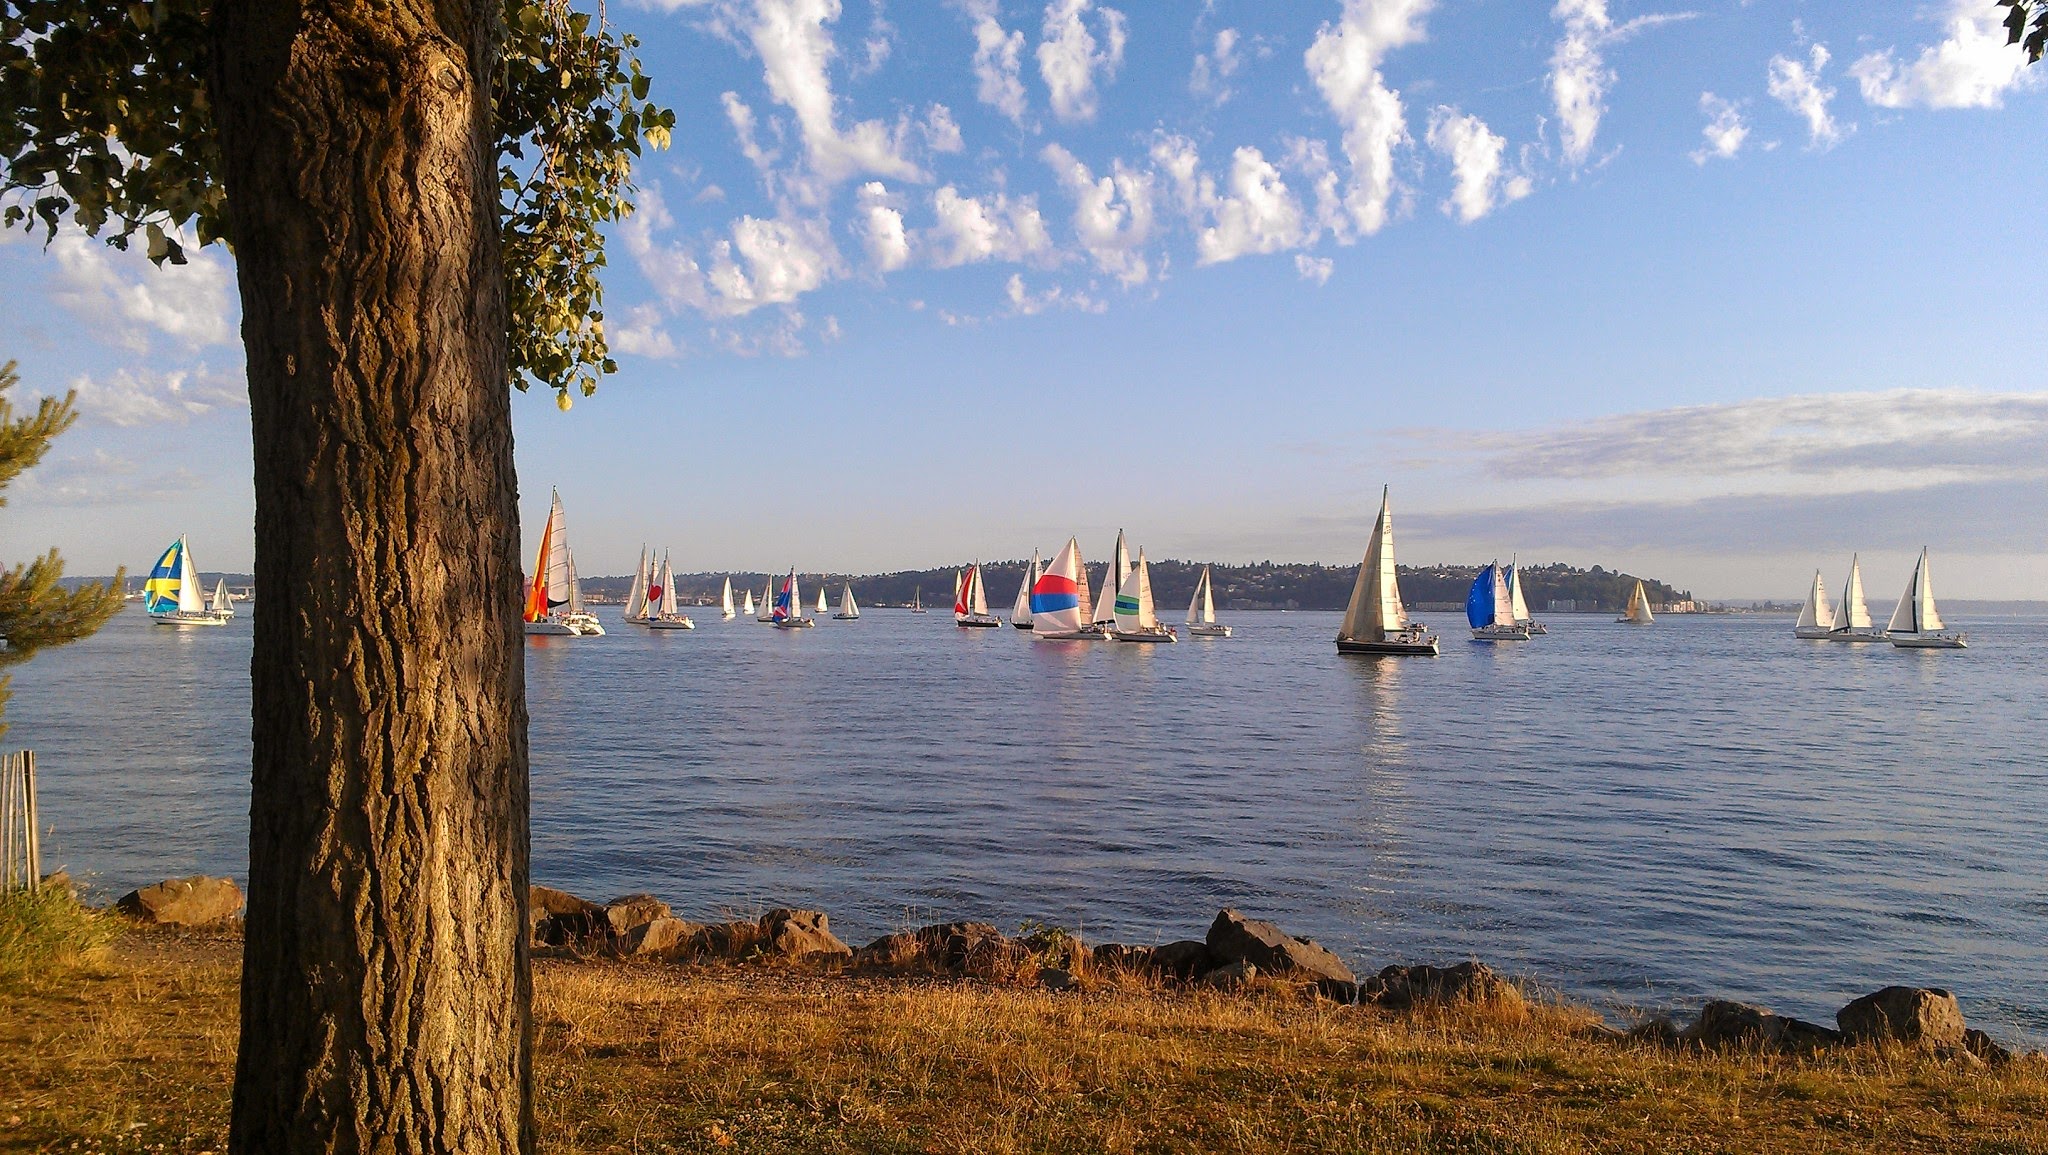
(35,841)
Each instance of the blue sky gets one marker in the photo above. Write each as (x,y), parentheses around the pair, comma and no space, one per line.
(1717,291)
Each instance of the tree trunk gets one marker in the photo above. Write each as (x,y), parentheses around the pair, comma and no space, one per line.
(384,988)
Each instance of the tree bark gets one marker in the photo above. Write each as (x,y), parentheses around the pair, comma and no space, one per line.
(385,990)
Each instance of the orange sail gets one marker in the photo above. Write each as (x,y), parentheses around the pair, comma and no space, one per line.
(537,595)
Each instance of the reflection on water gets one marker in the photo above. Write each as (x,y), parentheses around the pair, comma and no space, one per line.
(1706,807)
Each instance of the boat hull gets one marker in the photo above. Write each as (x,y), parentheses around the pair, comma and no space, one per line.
(1535,628)
(669,624)
(1426,647)
(1852,635)
(1500,634)
(795,624)
(551,629)
(1022,625)
(1073,636)
(181,618)
(1162,634)
(1811,633)
(845,617)
(1218,631)
(1930,641)
(977,621)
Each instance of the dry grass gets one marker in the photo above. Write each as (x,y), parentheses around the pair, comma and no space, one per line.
(135,1054)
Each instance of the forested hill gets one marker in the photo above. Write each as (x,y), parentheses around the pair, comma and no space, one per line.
(1267,585)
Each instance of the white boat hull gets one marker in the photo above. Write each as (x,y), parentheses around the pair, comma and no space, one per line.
(186,618)
(795,624)
(1500,634)
(550,628)
(1215,631)
(675,623)
(1812,633)
(1931,641)
(1857,635)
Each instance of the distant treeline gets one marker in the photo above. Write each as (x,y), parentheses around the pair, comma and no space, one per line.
(1267,585)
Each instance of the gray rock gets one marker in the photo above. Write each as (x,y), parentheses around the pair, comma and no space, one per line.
(1231,976)
(1235,938)
(1183,960)
(728,940)
(891,950)
(1925,1017)
(1978,1043)
(1336,990)
(1399,987)
(194,901)
(662,936)
(559,918)
(801,934)
(1723,1023)
(625,913)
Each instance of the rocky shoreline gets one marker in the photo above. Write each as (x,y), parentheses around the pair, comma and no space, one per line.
(1236,953)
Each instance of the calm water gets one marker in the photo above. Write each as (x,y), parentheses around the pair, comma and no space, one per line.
(1645,816)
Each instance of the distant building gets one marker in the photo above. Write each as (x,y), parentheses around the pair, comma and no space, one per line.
(1564,605)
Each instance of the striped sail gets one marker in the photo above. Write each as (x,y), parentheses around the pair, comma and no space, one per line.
(537,592)
(1135,612)
(164,592)
(1058,596)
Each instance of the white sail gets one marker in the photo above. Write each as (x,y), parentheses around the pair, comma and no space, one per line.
(1816,613)
(667,581)
(191,599)
(1855,614)
(725,599)
(1195,603)
(977,601)
(558,554)
(1503,602)
(1916,613)
(1135,612)
(748,609)
(575,587)
(847,608)
(1113,579)
(636,598)
(1056,600)
(796,598)
(1639,606)
(1021,612)
(220,604)
(822,607)
(767,602)
(1521,608)
(1375,608)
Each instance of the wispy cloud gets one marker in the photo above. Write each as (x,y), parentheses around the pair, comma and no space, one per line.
(1797,85)
(1972,67)
(128,300)
(132,397)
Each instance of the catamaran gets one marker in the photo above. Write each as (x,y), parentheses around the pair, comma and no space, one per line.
(970,602)
(173,595)
(554,602)
(1375,622)
(1020,614)
(1638,611)
(1137,619)
(725,600)
(1522,617)
(1916,624)
(789,606)
(1202,621)
(1855,625)
(1060,607)
(1490,608)
(1817,617)
(848,611)
(1114,575)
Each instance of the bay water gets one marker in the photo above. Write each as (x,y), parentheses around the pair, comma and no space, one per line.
(1641,818)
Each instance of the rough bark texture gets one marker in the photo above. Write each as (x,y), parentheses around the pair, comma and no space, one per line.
(385,987)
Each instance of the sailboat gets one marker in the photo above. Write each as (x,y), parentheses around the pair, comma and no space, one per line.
(1916,624)
(848,611)
(661,598)
(1522,617)
(822,607)
(1061,610)
(767,613)
(748,609)
(1114,576)
(1202,611)
(1855,625)
(637,608)
(788,611)
(1638,611)
(577,618)
(221,606)
(1375,622)
(970,604)
(1020,614)
(917,600)
(553,601)
(1490,609)
(1137,619)
(725,600)
(1817,617)
(173,596)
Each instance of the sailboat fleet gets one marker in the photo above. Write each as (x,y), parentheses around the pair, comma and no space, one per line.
(1915,624)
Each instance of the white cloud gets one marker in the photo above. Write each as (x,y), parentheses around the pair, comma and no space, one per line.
(741,116)
(1797,86)
(1212,70)
(1112,214)
(1025,303)
(1475,155)
(1724,131)
(795,51)
(1973,67)
(1317,269)
(998,62)
(880,225)
(761,262)
(971,229)
(1579,76)
(1344,62)
(125,297)
(1067,57)
(130,397)
(643,335)
(941,131)
(1258,215)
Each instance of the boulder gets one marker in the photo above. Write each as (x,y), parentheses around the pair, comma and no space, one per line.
(662,936)
(1978,1043)
(801,934)
(1336,990)
(964,946)
(1231,976)
(1724,1023)
(1117,956)
(891,950)
(1056,979)
(731,940)
(559,918)
(625,913)
(1235,938)
(1183,960)
(1400,987)
(1925,1017)
(194,901)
